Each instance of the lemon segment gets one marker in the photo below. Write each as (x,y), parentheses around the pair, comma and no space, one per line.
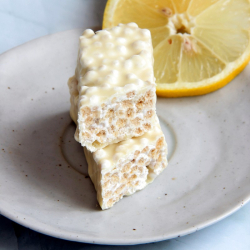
(159,34)
(165,7)
(198,6)
(197,62)
(181,5)
(226,15)
(227,45)
(166,68)
(139,9)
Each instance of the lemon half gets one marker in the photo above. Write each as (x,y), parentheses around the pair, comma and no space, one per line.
(199,45)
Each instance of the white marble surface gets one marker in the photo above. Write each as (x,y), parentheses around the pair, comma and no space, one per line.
(24,20)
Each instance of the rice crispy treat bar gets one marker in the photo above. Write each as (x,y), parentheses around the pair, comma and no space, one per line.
(123,168)
(116,85)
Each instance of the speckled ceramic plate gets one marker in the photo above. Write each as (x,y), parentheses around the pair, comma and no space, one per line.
(43,174)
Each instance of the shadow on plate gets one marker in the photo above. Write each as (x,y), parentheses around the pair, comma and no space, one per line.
(53,162)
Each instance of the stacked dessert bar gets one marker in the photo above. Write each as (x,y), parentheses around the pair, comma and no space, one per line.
(113,104)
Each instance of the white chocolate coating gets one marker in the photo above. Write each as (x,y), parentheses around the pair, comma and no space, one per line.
(118,152)
(131,113)
(123,168)
(107,58)
(113,88)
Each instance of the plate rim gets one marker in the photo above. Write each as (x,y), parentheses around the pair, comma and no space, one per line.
(64,235)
